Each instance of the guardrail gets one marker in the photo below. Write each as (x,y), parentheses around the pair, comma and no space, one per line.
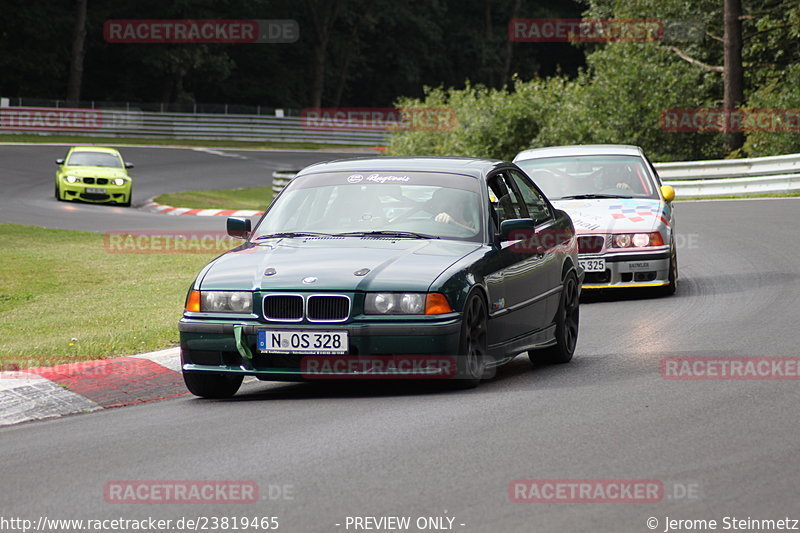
(729,177)
(729,168)
(203,126)
(780,184)
(733,177)
(280,178)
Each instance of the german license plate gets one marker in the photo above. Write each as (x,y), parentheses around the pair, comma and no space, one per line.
(593,265)
(95,190)
(302,342)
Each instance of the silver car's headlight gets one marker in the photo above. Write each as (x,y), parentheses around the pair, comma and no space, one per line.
(118,181)
(72,179)
(637,240)
(391,303)
(226,302)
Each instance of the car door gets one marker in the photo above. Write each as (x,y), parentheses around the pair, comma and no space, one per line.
(549,239)
(517,283)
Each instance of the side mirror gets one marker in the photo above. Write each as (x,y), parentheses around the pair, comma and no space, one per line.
(668,192)
(238,227)
(128,165)
(516,225)
(59,161)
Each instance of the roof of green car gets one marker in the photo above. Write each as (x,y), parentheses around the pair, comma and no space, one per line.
(469,166)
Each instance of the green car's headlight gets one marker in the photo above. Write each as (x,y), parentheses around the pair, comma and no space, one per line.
(118,181)
(391,303)
(72,179)
(226,302)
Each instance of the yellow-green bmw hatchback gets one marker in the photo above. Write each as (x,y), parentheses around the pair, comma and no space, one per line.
(94,174)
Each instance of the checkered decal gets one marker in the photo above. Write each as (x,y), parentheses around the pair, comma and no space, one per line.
(638,213)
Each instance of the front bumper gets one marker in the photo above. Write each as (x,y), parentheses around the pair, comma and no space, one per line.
(77,191)
(210,345)
(629,270)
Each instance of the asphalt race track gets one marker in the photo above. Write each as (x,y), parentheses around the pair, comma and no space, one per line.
(323,452)
(27,177)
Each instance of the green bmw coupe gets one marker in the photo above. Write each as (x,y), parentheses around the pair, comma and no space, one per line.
(437,268)
(93,174)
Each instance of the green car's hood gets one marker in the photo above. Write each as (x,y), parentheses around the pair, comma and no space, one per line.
(402,264)
(94,172)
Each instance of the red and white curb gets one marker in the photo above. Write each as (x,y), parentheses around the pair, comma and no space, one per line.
(169,210)
(47,392)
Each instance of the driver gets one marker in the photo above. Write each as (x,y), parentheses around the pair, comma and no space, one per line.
(615,176)
(449,210)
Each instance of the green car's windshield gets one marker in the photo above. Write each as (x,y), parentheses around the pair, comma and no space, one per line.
(94,159)
(588,177)
(378,205)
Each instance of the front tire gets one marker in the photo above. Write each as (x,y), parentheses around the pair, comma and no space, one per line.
(567,325)
(209,385)
(130,199)
(669,290)
(472,350)
(58,193)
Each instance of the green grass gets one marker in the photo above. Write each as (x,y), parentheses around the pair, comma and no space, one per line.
(257,198)
(79,139)
(766,195)
(64,298)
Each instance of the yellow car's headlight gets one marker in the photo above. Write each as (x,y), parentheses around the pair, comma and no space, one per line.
(72,179)
(118,181)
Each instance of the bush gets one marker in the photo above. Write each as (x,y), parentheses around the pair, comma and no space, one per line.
(779,94)
(619,100)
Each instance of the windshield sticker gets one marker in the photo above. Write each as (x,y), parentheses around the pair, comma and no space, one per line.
(378,178)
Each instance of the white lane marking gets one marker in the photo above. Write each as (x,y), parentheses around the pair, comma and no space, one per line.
(220,153)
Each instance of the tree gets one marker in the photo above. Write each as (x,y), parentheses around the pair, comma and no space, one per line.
(78,50)
(733,69)
(323,15)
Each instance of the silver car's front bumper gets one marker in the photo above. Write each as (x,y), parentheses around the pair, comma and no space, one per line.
(641,269)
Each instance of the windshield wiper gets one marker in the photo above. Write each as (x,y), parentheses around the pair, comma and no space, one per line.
(293,234)
(591,196)
(388,233)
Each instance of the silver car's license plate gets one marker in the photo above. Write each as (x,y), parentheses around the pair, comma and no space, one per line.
(302,342)
(593,265)
(95,190)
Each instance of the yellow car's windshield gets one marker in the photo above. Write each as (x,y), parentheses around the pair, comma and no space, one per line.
(94,159)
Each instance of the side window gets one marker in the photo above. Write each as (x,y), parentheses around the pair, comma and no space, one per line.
(505,204)
(538,209)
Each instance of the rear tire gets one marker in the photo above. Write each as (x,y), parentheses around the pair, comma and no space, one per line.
(209,385)
(472,349)
(567,325)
